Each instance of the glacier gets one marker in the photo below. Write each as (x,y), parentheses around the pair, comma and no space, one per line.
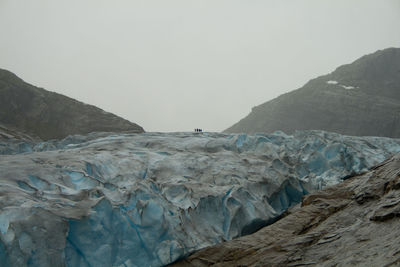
(149,199)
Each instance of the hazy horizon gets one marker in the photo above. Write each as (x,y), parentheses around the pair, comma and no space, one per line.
(183,64)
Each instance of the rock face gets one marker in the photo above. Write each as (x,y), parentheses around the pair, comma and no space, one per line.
(47,115)
(150,199)
(8,135)
(361,99)
(355,223)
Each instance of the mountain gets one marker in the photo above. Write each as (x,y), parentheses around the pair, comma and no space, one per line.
(361,99)
(149,199)
(47,115)
(9,135)
(355,223)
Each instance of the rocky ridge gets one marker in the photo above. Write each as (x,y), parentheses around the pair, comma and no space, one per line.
(360,99)
(45,115)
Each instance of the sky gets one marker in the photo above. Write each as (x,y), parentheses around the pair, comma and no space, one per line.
(176,65)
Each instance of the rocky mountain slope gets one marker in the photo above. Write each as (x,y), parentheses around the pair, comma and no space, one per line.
(47,115)
(361,99)
(355,223)
(150,199)
(7,135)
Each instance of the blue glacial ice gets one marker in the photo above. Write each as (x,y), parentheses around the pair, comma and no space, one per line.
(150,199)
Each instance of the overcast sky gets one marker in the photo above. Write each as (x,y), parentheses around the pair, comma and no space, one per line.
(174,65)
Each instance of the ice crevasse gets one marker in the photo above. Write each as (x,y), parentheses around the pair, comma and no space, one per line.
(150,199)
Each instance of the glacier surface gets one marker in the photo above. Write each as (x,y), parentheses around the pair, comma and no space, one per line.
(150,199)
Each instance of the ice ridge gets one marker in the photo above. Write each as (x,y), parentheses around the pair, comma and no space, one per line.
(150,199)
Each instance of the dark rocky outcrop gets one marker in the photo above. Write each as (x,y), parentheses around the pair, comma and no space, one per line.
(362,99)
(46,115)
(8,135)
(355,223)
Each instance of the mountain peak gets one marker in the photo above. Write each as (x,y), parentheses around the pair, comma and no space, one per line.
(361,98)
(49,115)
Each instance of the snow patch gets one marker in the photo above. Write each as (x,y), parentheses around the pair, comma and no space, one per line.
(332,82)
(347,87)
